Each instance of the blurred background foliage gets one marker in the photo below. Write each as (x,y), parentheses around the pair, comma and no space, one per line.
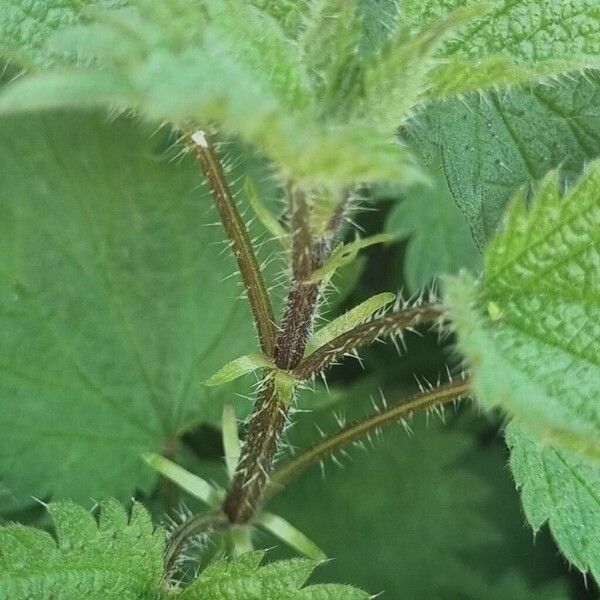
(426,513)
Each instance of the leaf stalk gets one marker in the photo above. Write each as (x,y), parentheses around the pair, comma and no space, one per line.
(364,334)
(354,431)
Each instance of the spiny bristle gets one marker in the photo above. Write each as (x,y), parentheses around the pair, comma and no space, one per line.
(406,427)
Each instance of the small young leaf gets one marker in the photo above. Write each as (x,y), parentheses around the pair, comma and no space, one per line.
(348,321)
(397,76)
(291,536)
(329,45)
(256,41)
(193,484)
(264,214)
(456,76)
(285,385)
(345,254)
(239,367)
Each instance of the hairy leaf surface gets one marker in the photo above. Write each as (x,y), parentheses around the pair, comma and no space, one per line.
(243,579)
(113,301)
(118,558)
(439,240)
(515,40)
(225,62)
(531,333)
(560,488)
(25,27)
(289,13)
(492,145)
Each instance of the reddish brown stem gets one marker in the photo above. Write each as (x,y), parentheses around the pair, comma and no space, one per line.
(355,431)
(364,334)
(270,414)
(239,239)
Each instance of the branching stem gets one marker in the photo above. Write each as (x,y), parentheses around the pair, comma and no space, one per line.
(218,521)
(270,413)
(364,334)
(360,429)
(239,239)
(204,524)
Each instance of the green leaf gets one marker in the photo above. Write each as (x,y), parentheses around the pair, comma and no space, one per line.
(115,300)
(346,254)
(377,17)
(193,484)
(289,13)
(117,558)
(457,76)
(291,536)
(235,68)
(121,558)
(285,386)
(25,27)
(493,145)
(239,367)
(243,579)
(439,241)
(561,489)
(350,319)
(255,40)
(512,42)
(396,77)
(329,46)
(537,354)
(264,215)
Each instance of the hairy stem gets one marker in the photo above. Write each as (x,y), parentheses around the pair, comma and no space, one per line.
(239,239)
(266,425)
(218,521)
(355,431)
(302,299)
(270,413)
(364,334)
(199,525)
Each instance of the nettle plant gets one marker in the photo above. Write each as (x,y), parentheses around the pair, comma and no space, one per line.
(317,101)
